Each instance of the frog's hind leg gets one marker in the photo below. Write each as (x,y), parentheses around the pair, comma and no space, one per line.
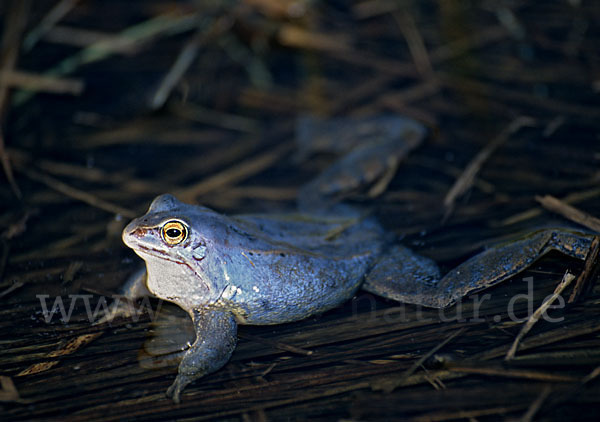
(404,276)
(413,280)
(375,145)
(501,262)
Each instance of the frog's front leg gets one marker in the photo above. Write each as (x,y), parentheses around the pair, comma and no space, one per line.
(216,337)
(404,276)
(133,289)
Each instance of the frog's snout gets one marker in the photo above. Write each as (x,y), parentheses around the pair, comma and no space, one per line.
(133,231)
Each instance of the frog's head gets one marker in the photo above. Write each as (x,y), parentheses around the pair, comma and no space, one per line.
(168,231)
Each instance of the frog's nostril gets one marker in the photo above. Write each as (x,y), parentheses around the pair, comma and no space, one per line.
(139,233)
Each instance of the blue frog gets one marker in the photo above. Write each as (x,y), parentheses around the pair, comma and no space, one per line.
(276,268)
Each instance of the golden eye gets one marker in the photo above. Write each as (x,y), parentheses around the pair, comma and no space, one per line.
(174,232)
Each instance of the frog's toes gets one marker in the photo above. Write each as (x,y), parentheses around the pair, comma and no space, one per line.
(117,309)
(216,337)
(174,391)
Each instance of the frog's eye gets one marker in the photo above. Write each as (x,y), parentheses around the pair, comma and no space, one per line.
(174,232)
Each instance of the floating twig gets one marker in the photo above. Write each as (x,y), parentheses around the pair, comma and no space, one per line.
(15,286)
(536,405)
(79,37)
(571,198)
(186,57)
(466,179)
(390,385)
(586,275)
(34,82)
(68,348)
(509,373)
(235,173)
(212,117)
(415,42)
(75,193)
(15,20)
(535,317)
(184,60)
(141,32)
(556,205)
(48,22)
(591,376)
(295,36)
(277,344)
(524,98)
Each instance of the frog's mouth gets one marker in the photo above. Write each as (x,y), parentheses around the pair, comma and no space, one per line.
(156,253)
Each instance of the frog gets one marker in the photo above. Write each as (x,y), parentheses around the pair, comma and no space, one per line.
(273,268)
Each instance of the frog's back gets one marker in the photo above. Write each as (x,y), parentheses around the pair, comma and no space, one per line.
(330,236)
(296,265)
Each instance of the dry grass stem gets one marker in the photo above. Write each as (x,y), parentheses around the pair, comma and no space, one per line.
(15,20)
(571,198)
(553,204)
(101,50)
(539,312)
(186,57)
(278,345)
(415,42)
(235,173)
(33,82)
(510,373)
(83,38)
(390,385)
(586,275)
(536,405)
(78,194)
(49,21)
(466,179)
